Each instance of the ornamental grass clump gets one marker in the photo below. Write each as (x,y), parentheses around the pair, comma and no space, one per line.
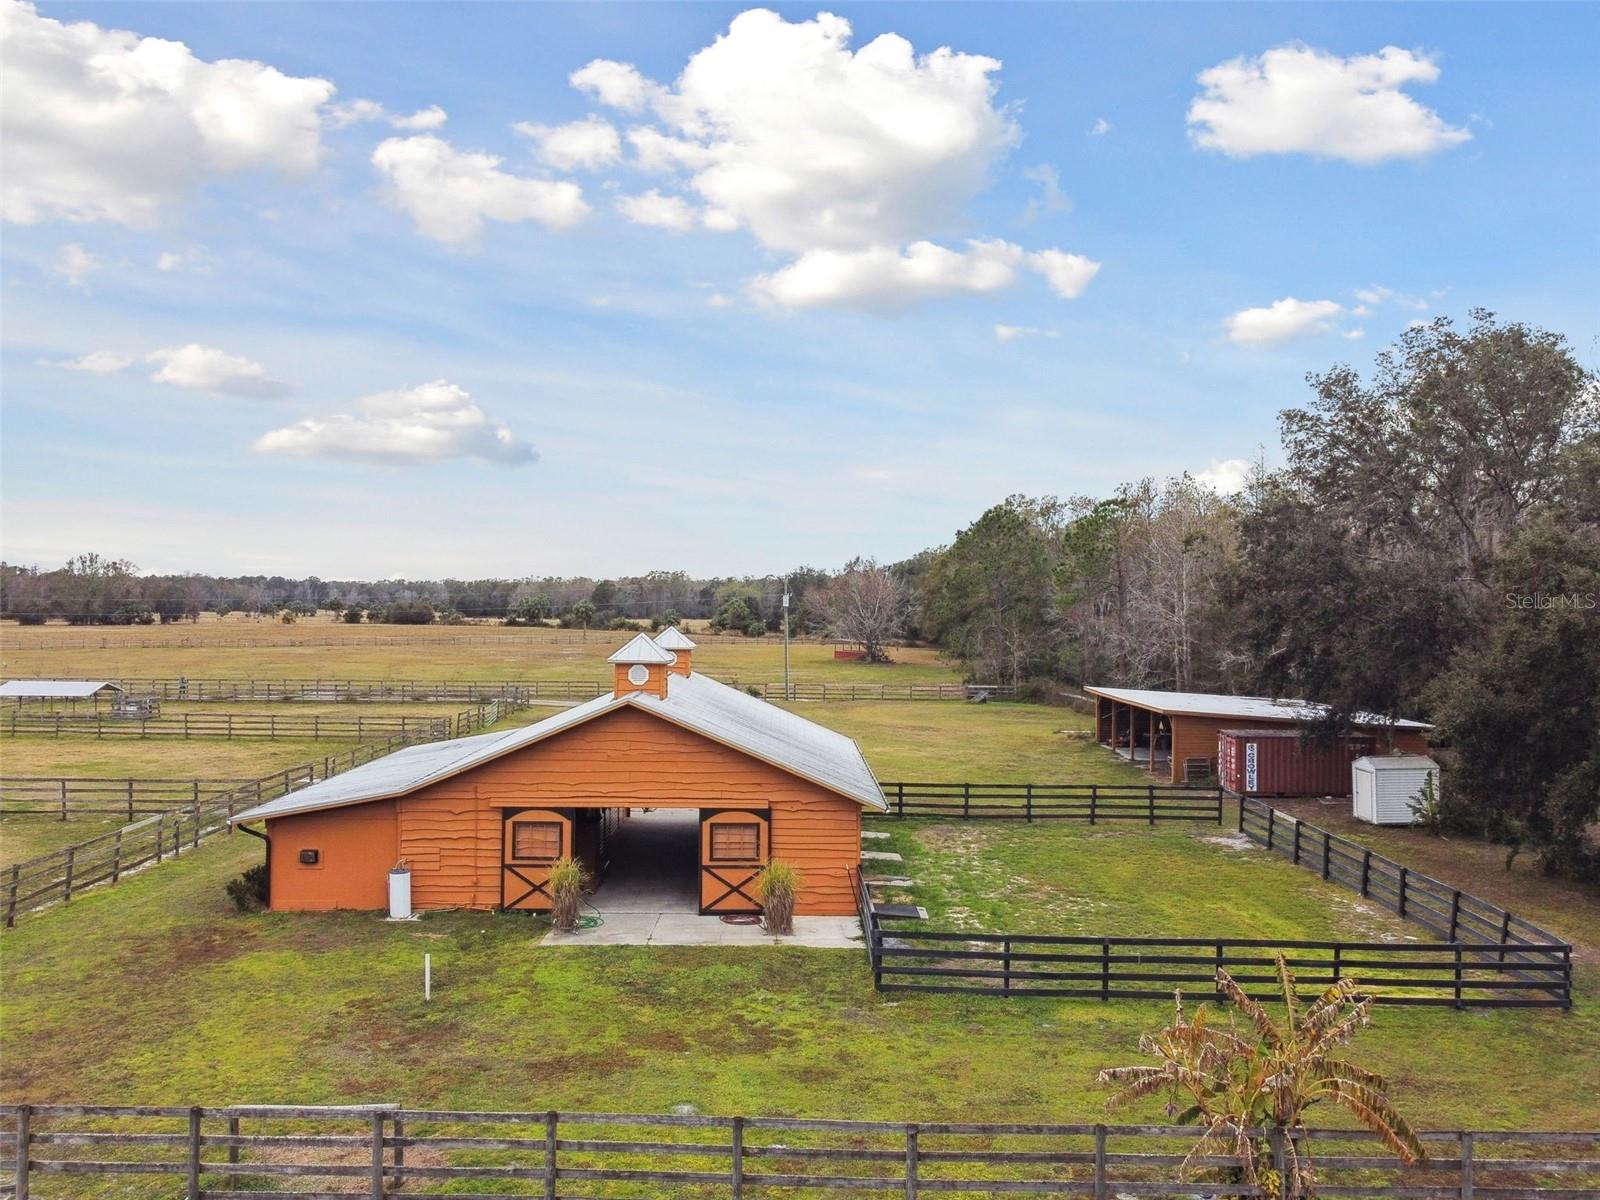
(568,880)
(780,885)
(1237,1084)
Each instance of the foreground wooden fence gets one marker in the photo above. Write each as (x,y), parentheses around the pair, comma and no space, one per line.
(1091,802)
(110,857)
(196,689)
(280,1152)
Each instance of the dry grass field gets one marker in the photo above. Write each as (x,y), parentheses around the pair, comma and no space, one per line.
(322,649)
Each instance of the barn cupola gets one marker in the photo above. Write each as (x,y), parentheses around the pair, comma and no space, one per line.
(641,666)
(671,640)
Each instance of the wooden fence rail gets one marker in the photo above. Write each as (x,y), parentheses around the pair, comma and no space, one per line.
(110,857)
(223,725)
(1458,975)
(280,1152)
(65,796)
(196,689)
(1091,802)
(1448,912)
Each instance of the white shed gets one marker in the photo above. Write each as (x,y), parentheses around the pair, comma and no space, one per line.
(1384,787)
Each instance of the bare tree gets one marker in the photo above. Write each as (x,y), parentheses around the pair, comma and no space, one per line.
(864,603)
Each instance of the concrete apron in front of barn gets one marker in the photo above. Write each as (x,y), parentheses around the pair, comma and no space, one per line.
(649,896)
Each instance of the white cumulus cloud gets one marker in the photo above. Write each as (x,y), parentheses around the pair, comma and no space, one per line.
(1226,476)
(96,362)
(884,278)
(1299,100)
(357,111)
(105,125)
(75,265)
(843,160)
(450,193)
(577,145)
(429,423)
(1010,333)
(663,212)
(1282,320)
(1067,274)
(208,369)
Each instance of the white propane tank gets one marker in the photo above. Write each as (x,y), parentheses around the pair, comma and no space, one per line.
(400,893)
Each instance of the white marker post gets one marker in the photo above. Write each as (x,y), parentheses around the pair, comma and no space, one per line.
(427,977)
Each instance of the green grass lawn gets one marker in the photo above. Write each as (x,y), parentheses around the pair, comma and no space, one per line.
(155,991)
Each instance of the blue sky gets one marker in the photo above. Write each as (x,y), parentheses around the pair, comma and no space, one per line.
(252,325)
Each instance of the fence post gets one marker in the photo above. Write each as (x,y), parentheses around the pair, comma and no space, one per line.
(193,1192)
(1401,893)
(1337,965)
(1272,820)
(399,1158)
(550,1155)
(1505,931)
(1327,851)
(233,1152)
(1105,969)
(377,1156)
(1219,973)
(1279,1159)
(1458,976)
(67,885)
(1094,802)
(966,801)
(911,1162)
(1455,913)
(116,858)
(11,899)
(130,799)
(1241,812)
(1297,843)
(1366,872)
(24,1153)
(1005,965)
(64,798)
(736,1166)
(1099,1162)
(1027,802)
(1150,797)
(1466,1166)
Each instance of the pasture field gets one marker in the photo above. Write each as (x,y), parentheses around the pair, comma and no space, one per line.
(157,991)
(461,652)
(25,836)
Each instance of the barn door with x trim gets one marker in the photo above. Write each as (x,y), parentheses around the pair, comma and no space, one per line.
(734,846)
(531,841)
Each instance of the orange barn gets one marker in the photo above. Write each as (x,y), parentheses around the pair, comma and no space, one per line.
(479,821)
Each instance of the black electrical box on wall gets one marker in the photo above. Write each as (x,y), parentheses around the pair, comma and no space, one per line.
(309,857)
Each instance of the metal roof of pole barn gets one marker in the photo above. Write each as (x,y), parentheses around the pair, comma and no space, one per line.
(694,702)
(54,689)
(1250,708)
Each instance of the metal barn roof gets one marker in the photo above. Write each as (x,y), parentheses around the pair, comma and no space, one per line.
(694,702)
(1249,708)
(641,650)
(55,689)
(671,638)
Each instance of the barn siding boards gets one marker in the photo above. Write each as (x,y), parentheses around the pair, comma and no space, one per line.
(450,832)
(355,849)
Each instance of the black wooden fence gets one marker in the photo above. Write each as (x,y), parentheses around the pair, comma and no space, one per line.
(1447,912)
(1091,802)
(283,1152)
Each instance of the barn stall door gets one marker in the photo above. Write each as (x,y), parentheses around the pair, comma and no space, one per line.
(734,846)
(531,841)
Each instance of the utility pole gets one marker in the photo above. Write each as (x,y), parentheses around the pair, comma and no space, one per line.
(787,694)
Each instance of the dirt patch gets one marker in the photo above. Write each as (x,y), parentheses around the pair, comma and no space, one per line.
(960,839)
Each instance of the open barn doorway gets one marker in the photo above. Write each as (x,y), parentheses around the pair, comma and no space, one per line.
(652,864)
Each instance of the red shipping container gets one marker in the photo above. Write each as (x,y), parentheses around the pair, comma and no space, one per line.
(1280,762)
